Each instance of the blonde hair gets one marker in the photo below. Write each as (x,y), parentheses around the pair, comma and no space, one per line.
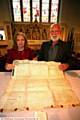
(15,40)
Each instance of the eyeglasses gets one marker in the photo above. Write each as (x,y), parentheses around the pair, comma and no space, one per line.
(55,31)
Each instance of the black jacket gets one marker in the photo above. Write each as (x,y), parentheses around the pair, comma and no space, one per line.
(64,54)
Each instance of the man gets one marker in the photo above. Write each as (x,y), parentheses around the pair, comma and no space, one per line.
(55,49)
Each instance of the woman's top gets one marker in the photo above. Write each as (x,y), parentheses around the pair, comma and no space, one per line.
(14,54)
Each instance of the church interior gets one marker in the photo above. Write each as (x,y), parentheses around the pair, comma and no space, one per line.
(35,22)
(39,90)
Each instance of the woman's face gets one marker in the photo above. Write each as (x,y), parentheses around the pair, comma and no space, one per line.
(20,41)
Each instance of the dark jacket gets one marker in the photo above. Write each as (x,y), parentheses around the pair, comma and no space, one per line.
(62,51)
(64,54)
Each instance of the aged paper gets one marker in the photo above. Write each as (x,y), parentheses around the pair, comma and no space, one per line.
(37,85)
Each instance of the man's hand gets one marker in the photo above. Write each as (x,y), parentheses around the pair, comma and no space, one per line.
(63,66)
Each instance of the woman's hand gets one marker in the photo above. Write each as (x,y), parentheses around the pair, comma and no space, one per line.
(35,58)
(9,66)
(63,66)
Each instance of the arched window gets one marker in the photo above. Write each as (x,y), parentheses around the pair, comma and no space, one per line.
(16,10)
(30,10)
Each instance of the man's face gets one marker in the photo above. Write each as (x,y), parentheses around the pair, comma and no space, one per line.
(55,32)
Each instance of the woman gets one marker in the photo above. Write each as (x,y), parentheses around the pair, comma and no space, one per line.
(20,51)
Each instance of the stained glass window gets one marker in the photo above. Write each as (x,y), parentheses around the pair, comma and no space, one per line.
(16,10)
(26,10)
(45,10)
(54,10)
(35,10)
